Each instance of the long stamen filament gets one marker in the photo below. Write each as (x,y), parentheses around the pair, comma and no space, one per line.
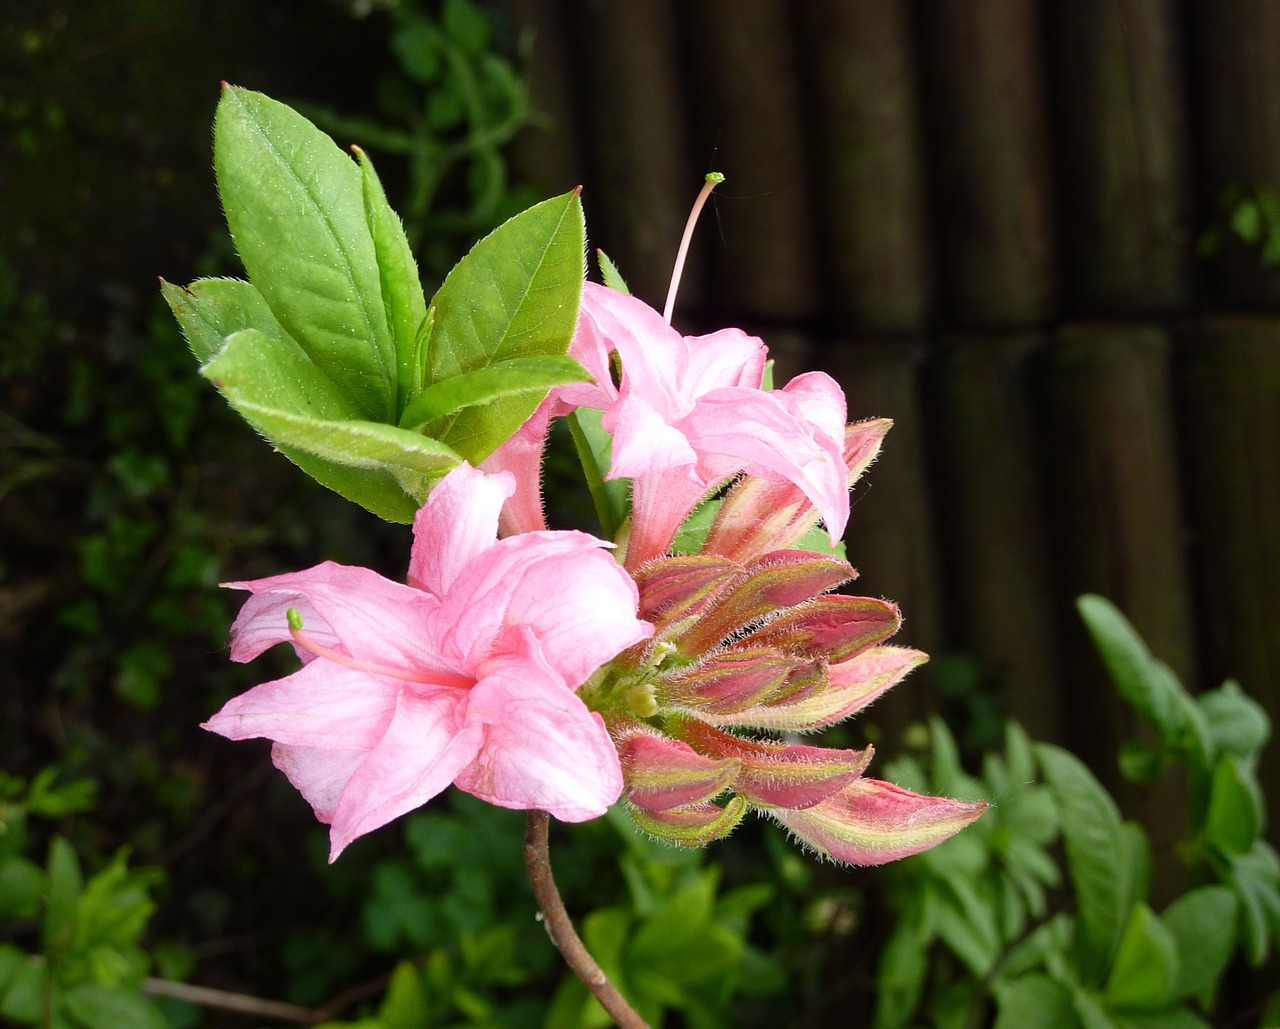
(431,677)
(713,179)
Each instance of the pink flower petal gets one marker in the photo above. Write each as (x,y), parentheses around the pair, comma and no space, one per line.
(322,705)
(425,746)
(563,586)
(542,747)
(320,774)
(354,610)
(457,524)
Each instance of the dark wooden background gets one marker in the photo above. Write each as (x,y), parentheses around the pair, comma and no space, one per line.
(983,217)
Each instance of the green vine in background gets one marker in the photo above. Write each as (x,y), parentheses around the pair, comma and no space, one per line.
(450,105)
(1252,214)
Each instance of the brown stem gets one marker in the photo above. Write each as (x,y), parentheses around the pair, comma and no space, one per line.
(538,861)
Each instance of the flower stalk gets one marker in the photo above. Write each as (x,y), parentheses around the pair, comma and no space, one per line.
(537,860)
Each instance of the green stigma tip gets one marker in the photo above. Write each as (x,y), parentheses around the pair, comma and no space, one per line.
(716,177)
(294,619)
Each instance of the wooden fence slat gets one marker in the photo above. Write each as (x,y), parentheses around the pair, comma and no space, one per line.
(748,101)
(1113,488)
(1238,138)
(642,179)
(891,538)
(994,542)
(869,173)
(549,151)
(987,119)
(1122,153)
(1230,377)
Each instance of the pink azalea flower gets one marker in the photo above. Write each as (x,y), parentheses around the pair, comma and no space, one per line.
(690,414)
(467,675)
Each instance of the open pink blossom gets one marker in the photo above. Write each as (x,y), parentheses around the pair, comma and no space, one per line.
(467,675)
(691,414)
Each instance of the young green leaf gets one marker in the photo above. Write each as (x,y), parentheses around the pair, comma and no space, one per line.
(403,301)
(1034,1002)
(1146,969)
(514,295)
(1145,683)
(296,209)
(281,394)
(210,310)
(65,884)
(511,378)
(1203,926)
(1234,818)
(1096,849)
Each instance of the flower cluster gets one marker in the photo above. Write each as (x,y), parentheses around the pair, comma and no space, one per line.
(539,669)
(536,672)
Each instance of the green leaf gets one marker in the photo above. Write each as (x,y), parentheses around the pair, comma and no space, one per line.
(210,310)
(101,1007)
(1146,967)
(1234,818)
(1090,1012)
(22,885)
(65,884)
(22,985)
(467,26)
(403,302)
(286,398)
(1203,926)
(1097,851)
(900,976)
(1255,877)
(1237,723)
(296,209)
(610,274)
(1034,1002)
(1148,685)
(515,294)
(518,376)
(405,1005)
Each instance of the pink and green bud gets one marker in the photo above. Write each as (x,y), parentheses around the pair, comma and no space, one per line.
(692,826)
(663,773)
(673,589)
(782,579)
(833,627)
(850,687)
(780,775)
(871,822)
(731,681)
(759,515)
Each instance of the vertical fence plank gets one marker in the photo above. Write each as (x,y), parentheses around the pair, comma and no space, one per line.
(869,174)
(1230,375)
(892,533)
(549,151)
(1121,134)
(642,180)
(1113,488)
(987,119)
(748,100)
(1239,132)
(994,543)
